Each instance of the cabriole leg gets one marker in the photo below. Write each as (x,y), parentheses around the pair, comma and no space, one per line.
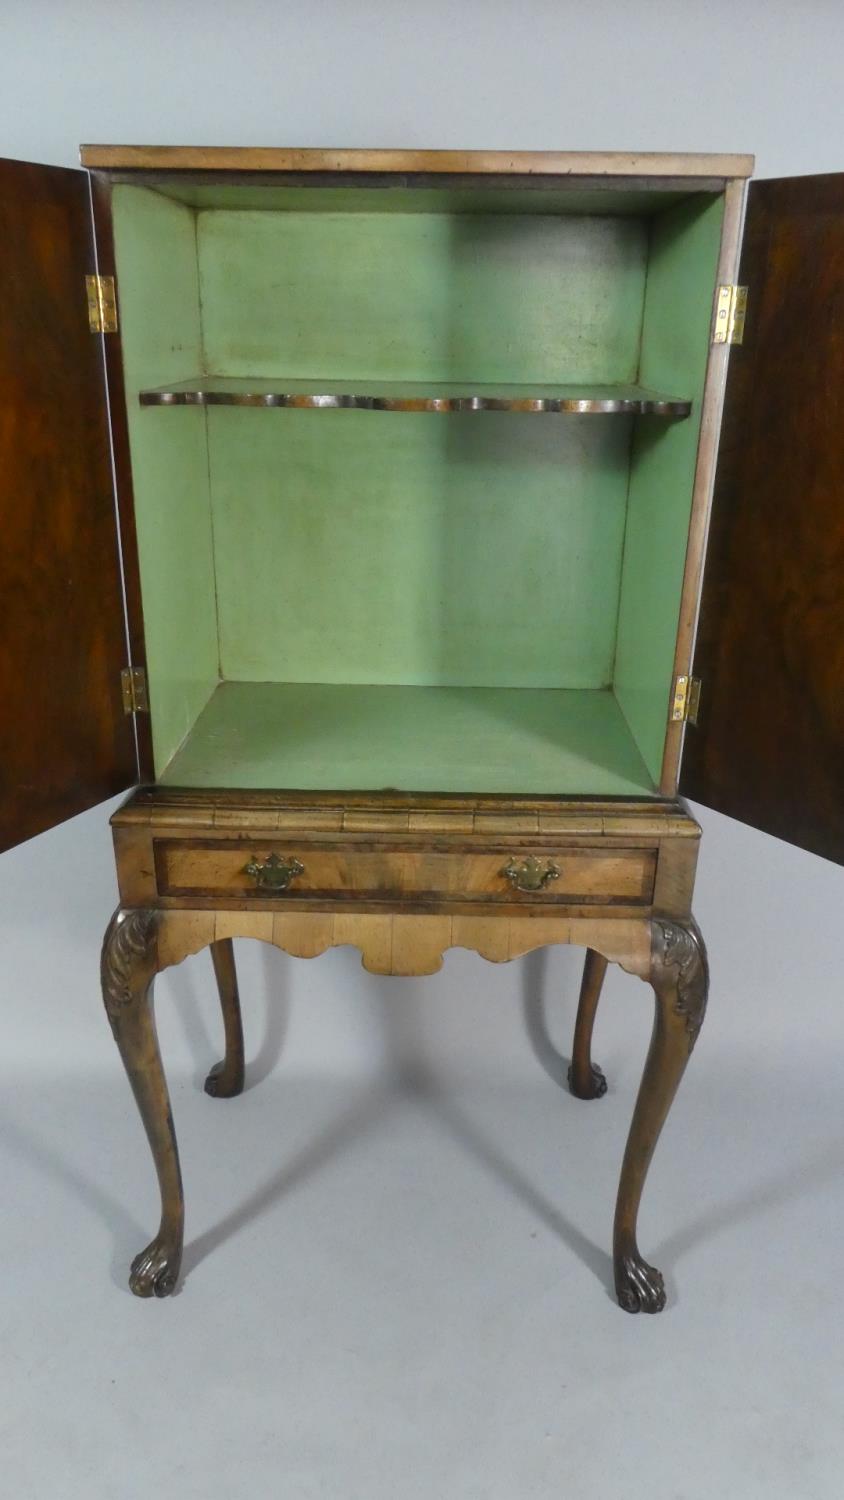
(129,962)
(586,1080)
(680,980)
(226,1077)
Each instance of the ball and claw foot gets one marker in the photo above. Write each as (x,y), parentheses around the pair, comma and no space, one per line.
(155,1271)
(595,1088)
(223,1083)
(639,1287)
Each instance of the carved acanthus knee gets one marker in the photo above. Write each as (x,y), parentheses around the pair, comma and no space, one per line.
(679,968)
(128,960)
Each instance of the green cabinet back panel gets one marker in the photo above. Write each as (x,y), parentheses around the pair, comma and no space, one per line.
(421,296)
(408,549)
(357,546)
(155,246)
(682,268)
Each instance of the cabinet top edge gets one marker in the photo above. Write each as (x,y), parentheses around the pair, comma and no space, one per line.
(317,159)
(172,806)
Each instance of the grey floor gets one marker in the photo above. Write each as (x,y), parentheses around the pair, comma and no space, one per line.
(399,1284)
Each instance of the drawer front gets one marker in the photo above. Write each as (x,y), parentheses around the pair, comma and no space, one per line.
(312,872)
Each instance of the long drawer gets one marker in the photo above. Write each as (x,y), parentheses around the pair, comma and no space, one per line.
(304,871)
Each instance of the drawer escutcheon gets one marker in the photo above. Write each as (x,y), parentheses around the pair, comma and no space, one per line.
(530,874)
(274,874)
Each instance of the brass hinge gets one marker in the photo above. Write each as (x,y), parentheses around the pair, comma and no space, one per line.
(686,700)
(730,311)
(133,684)
(102,304)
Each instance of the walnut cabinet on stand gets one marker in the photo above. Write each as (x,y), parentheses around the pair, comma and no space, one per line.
(355,508)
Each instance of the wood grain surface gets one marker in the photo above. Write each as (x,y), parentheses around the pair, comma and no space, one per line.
(400,945)
(283,159)
(769,747)
(101,204)
(334,871)
(409,396)
(65,742)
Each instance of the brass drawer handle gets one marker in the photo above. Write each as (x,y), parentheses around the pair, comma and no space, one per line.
(530,874)
(273,874)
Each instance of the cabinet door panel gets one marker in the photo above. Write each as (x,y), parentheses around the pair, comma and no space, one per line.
(65,742)
(769,746)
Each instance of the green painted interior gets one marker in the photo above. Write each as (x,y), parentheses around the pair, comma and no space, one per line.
(411,600)
(330,737)
(421,296)
(675,343)
(539,196)
(158,288)
(392,547)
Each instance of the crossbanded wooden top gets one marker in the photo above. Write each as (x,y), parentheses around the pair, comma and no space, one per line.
(641,164)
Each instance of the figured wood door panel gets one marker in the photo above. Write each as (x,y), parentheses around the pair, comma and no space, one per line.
(65,742)
(769,746)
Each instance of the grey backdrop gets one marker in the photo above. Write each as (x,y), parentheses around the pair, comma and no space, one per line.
(405,1292)
(763,77)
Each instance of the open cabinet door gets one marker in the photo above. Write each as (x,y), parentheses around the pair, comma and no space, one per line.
(769,746)
(65,741)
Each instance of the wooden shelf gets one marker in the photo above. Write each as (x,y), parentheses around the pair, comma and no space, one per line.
(410,396)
